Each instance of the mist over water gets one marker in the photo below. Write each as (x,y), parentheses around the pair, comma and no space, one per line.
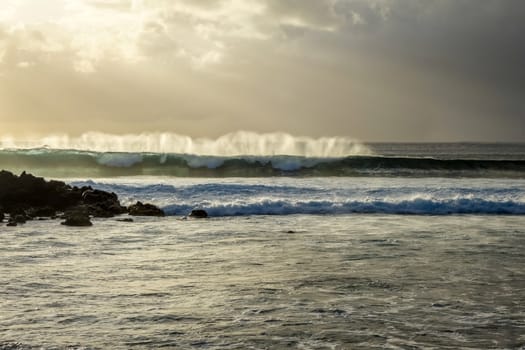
(233,144)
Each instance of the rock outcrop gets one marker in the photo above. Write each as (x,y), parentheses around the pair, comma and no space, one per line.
(198,214)
(27,191)
(102,204)
(77,219)
(28,197)
(145,209)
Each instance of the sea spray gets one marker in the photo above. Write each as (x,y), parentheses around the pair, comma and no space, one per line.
(233,144)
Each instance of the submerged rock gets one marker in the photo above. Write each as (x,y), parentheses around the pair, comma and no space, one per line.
(77,219)
(16,218)
(198,214)
(125,220)
(145,209)
(19,219)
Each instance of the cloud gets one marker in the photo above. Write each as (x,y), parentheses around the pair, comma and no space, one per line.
(480,40)
(202,31)
(375,69)
(115,5)
(314,14)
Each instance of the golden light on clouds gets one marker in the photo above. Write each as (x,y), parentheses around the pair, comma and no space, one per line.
(372,69)
(131,31)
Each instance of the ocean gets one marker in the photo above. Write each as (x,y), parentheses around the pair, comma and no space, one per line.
(327,245)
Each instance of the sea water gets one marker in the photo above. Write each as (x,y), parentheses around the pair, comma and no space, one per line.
(403,261)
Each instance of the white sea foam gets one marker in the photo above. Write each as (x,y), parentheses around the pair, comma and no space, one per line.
(272,196)
(237,143)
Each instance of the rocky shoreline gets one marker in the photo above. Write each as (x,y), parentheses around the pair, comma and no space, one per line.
(27,197)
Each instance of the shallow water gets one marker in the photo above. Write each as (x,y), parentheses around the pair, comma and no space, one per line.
(266,282)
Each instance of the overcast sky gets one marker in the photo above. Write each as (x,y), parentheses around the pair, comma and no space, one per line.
(376,70)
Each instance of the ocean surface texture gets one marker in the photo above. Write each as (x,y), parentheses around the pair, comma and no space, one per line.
(396,246)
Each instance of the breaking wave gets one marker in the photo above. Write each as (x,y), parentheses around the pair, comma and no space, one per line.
(327,196)
(408,207)
(75,163)
(233,144)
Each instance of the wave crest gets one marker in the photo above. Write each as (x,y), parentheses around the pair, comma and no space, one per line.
(74,163)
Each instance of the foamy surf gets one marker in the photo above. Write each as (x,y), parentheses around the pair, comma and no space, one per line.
(322,196)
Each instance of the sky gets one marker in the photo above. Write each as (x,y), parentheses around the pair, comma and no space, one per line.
(374,70)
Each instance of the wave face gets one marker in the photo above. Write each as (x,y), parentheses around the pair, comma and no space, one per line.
(286,196)
(233,144)
(73,163)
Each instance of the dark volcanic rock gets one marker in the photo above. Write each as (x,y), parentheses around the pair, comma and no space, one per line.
(125,220)
(46,211)
(27,191)
(90,196)
(78,216)
(77,219)
(35,197)
(198,214)
(140,209)
(15,219)
(32,197)
(19,219)
(101,203)
(18,215)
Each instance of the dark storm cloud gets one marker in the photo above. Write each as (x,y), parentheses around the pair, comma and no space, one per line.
(481,39)
(464,58)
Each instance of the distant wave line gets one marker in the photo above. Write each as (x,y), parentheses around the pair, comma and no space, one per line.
(96,164)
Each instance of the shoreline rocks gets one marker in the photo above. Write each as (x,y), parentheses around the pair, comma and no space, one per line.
(77,219)
(28,197)
(141,209)
(198,214)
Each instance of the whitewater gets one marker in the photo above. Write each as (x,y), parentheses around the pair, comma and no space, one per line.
(340,195)
(311,243)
